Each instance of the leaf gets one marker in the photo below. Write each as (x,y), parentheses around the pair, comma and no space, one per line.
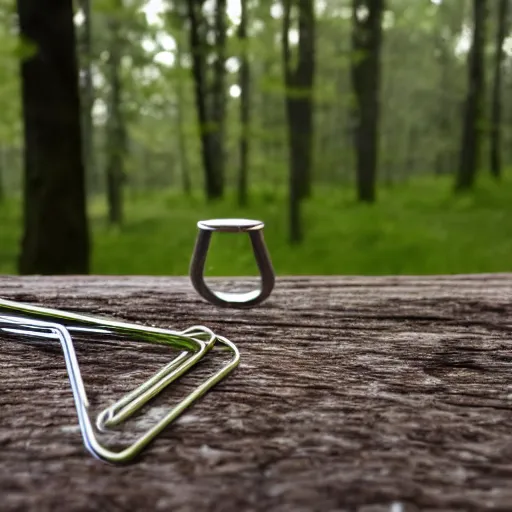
(25,48)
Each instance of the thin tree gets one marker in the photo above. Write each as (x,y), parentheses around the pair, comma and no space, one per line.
(210,97)
(182,143)
(218,92)
(2,165)
(472,129)
(450,21)
(495,149)
(366,78)
(116,130)
(177,20)
(245,100)
(87,95)
(299,81)
(55,231)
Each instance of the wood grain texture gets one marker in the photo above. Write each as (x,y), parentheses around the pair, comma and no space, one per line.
(368,394)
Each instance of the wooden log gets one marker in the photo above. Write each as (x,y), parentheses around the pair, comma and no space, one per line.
(367,394)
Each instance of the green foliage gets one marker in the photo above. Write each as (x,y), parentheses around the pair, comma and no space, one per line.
(423,84)
(12,50)
(418,228)
(24,49)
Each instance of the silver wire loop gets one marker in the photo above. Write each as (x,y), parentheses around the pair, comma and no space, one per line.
(254,228)
(33,321)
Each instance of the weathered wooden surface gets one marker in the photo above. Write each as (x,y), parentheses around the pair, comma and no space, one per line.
(368,394)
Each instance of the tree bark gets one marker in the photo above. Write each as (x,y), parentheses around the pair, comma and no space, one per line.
(116,130)
(55,238)
(299,81)
(376,394)
(472,130)
(245,106)
(365,73)
(496,131)
(198,48)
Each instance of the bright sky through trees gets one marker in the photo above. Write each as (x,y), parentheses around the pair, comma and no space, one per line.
(162,45)
(154,10)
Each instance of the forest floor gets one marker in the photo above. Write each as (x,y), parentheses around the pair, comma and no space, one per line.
(414,228)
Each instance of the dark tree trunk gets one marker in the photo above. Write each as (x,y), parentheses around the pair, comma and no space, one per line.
(116,139)
(55,239)
(305,75)
(299,80)
(472,130)
(245,100)
(87,97)
(198,31)
(497,88)
(365,72)
(299,83)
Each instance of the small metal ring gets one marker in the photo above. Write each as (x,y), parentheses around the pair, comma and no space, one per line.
(254,228)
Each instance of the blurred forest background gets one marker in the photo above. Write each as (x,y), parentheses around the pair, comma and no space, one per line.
(371,136)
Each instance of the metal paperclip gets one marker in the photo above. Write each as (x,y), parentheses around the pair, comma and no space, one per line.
(254,228)
(28,320)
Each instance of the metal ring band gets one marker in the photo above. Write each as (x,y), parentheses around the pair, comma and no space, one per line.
(254,228)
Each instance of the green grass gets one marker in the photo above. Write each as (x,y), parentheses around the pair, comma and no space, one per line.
(417,228)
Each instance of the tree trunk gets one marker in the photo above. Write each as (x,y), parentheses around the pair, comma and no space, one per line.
(184,164)
(55,239)
(365,71)
(442,160)
(299,84)
(305,74)
(299,80)
(2,168)
(245,100)
(472,130)
(87,97)
(198,31)
(218,94)
(496,91)
(295,234)
(450,20)
(116,139)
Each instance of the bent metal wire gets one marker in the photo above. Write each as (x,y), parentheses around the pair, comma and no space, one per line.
(254,228)
(32,321)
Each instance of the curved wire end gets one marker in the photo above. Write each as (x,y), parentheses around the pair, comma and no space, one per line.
(130,403)
(254,228)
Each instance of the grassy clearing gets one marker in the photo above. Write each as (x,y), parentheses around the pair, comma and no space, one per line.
(417,228)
